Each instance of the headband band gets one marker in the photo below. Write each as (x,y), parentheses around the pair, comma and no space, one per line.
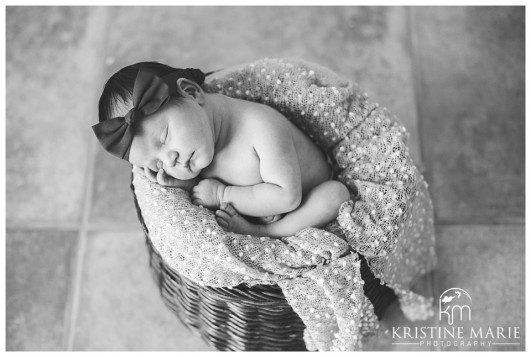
(150,93)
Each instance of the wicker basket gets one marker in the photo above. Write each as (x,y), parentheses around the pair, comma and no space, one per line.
(243,318)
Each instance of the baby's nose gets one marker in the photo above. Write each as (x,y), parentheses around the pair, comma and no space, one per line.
(171,159)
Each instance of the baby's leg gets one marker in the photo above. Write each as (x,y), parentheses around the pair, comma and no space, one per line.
(318,207)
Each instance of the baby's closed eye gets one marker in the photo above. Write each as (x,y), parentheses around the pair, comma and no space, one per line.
(164,136)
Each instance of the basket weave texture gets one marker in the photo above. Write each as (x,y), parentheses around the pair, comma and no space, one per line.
(242,318)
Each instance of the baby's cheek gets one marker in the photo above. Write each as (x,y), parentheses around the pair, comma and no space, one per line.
(205,160)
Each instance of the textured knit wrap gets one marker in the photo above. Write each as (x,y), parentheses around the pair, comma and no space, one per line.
(389,219)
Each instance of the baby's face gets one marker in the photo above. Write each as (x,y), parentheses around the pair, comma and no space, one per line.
(178,138)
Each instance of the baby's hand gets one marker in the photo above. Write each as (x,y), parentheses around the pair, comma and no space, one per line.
(165,180)
(160,177)
(208,193)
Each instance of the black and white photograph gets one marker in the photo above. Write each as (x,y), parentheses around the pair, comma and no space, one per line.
(328,177)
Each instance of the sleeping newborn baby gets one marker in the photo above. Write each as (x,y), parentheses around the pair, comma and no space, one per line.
(247,162)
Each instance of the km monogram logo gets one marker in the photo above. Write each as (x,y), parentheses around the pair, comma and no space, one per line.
(455,304)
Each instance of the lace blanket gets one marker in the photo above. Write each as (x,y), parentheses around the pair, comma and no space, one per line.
(390,223)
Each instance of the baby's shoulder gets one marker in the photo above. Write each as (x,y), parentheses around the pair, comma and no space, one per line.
(262,119)
(264,127)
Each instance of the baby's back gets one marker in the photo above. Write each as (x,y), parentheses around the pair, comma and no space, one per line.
(314,165)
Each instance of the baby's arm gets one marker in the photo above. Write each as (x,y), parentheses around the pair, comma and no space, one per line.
(281,190)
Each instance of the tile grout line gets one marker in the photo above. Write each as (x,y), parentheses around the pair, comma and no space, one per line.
(434,289)
(408,46)
(416,74)
(417,83)
(72,308)
(134,226)
(504,221)
(75,288)
(75,282)
(71,226)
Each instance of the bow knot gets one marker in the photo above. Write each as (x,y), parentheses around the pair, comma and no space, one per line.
(130,116)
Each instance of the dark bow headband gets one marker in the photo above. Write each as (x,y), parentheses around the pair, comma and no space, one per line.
(150,93)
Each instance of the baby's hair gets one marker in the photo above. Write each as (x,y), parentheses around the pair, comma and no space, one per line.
(117,96)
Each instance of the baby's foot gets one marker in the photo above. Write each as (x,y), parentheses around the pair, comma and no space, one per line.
(269,219)
(230,220)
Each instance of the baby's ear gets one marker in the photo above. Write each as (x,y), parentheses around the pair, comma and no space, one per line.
(189,89)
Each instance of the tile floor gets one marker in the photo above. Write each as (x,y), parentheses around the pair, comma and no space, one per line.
(76,264)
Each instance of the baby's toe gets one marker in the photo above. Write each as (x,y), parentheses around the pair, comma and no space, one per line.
(230,210)
(222,222)
(223,215)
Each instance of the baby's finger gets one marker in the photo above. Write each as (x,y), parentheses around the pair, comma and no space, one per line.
(197,202)
(150,175)
(162,179)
